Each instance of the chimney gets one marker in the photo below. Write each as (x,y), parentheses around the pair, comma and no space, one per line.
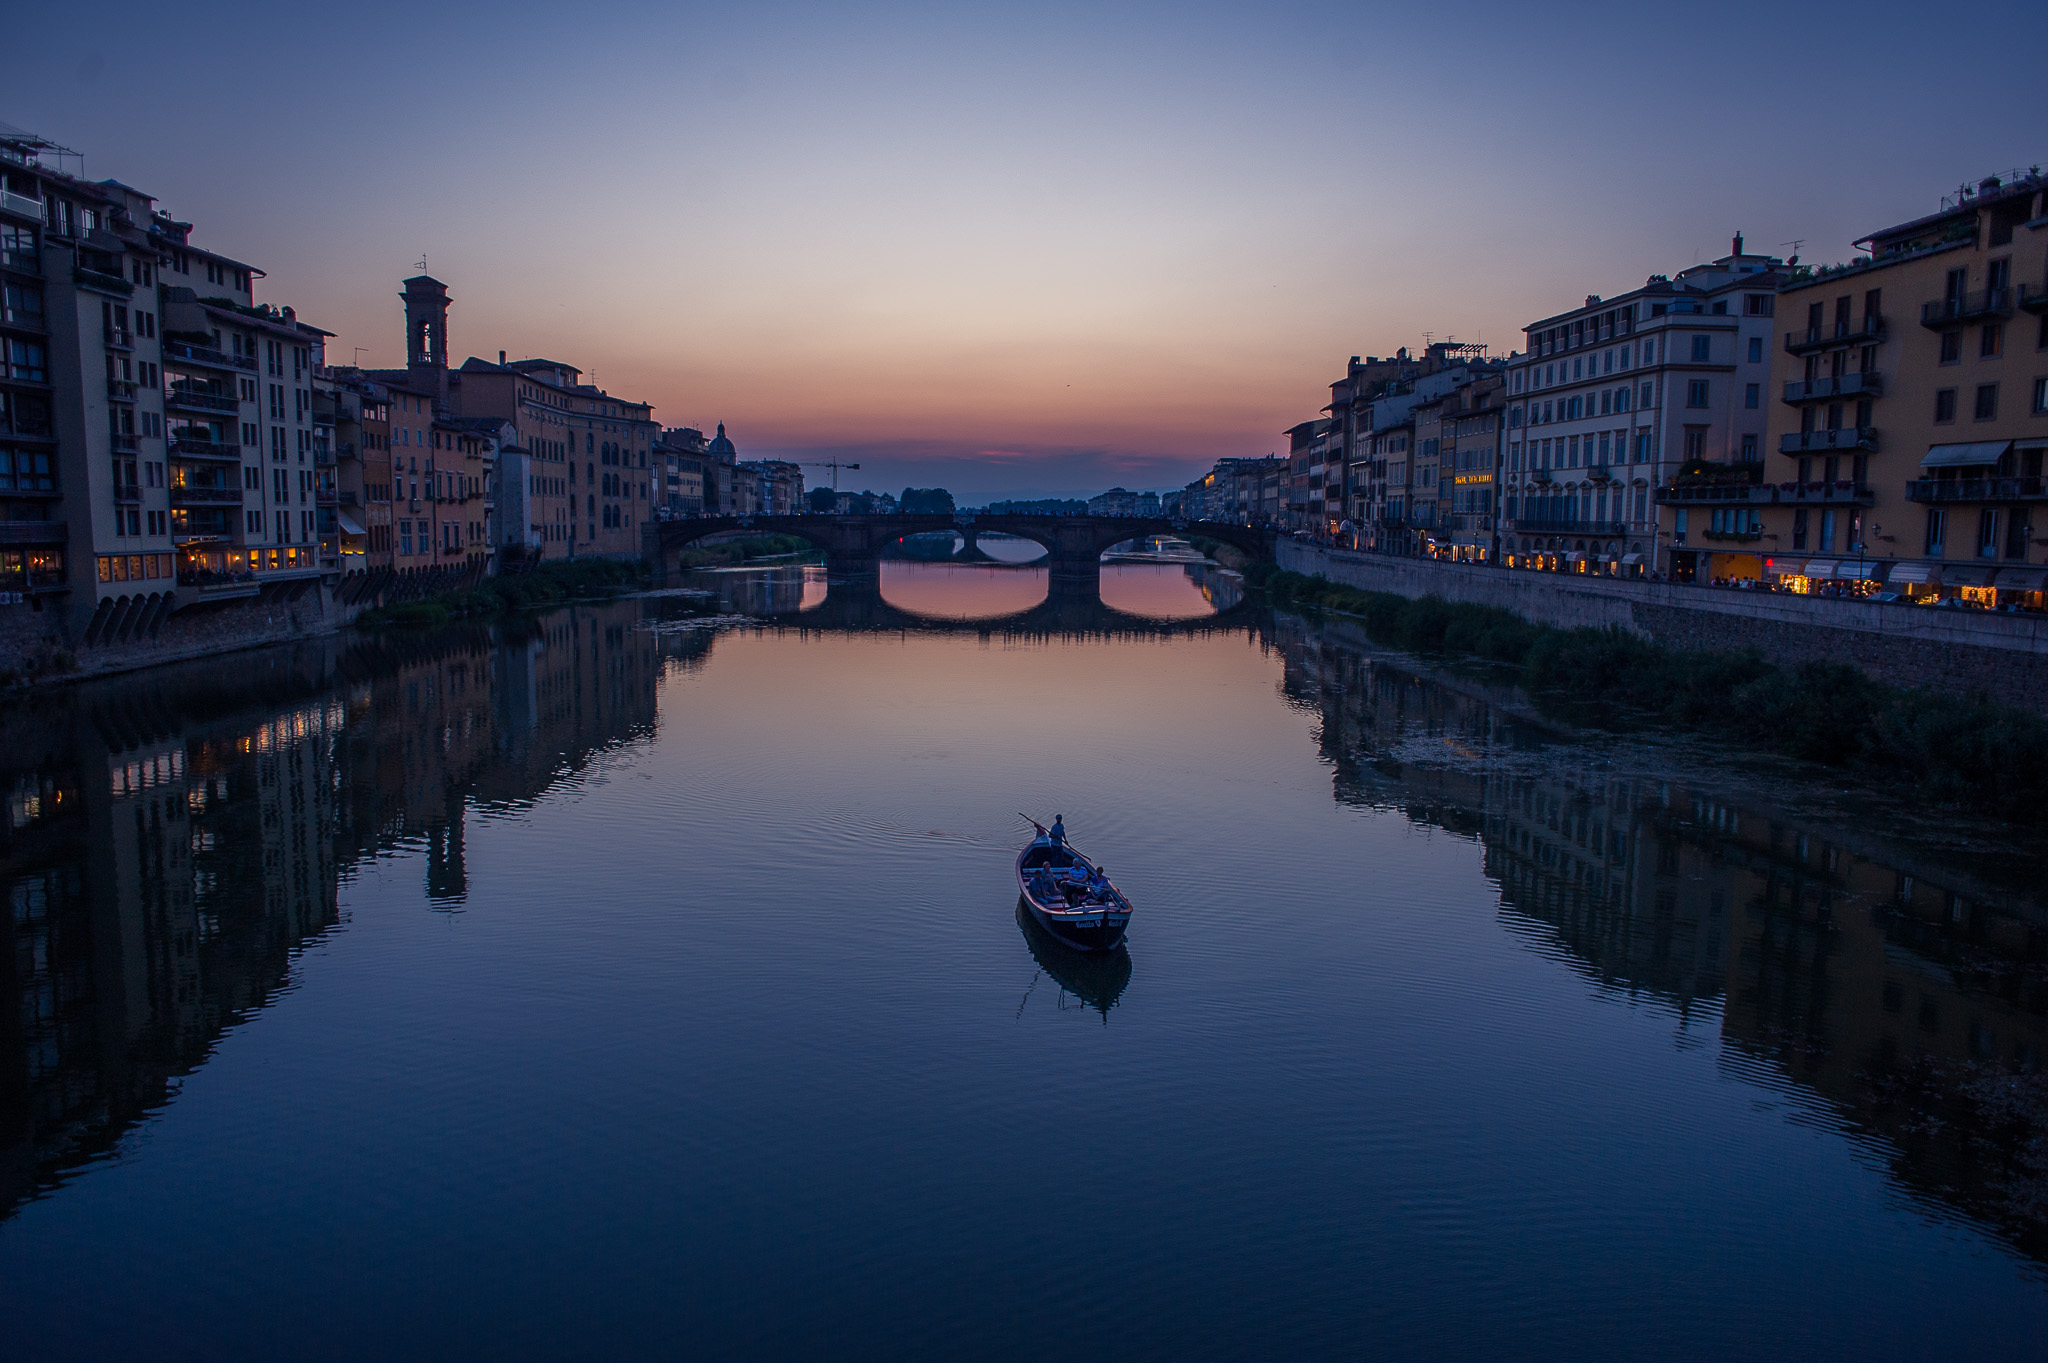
(1988,185)
(501,359)
(1738,243)
(426,334)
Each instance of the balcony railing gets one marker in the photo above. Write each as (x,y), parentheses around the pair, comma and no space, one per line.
(102,280)
(127,442)
(1836,493)
(2032,299)
(206,496)
(121,390)
(24,261)
(34,532)
(204,449)
(1539,475)
(1966,307)
(199,400)
(1938,490)
(180,352)
(120,338)
(1868,330)
(1845,386)
(1528,526)
(1734,536)
(27,205)
(1847,438)
(127,494)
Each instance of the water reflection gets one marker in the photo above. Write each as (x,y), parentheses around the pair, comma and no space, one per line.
(1094,979)
(762,591)
(1170,591)
(1909,993)
(950,591)
(172,842)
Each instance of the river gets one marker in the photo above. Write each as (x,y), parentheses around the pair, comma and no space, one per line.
(646,978)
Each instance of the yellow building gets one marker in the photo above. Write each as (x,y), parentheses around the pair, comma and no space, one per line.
(1909,419)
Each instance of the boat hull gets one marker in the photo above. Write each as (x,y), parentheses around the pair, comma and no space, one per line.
(1089,927)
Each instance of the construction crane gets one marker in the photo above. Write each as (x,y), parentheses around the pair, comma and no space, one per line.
(835,466)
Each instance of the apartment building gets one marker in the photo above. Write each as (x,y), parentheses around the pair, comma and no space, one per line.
(1308,452)
(1910,416)
(1609,401)
(156,442)
(767,487)
(685,484)
(1457,439)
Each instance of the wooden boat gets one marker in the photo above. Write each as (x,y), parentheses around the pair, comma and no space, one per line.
(1069,897)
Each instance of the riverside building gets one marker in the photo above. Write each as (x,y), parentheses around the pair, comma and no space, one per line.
(1609,401)
(1910,416)
(156,436)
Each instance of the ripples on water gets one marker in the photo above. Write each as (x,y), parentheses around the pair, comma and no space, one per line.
(616,984)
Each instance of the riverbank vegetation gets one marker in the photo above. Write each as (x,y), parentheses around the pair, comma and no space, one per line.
(1971,753)
(733,552)
(546,584)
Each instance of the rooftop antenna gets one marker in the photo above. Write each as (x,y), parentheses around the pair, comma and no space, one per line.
(359,357)
(422,266)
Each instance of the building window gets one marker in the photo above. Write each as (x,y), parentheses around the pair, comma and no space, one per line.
(1695,442)
(2040,396)
(1800,519)
(1991,342)
(1696,393)
(1987,533)
(1937,526)
(1702,349)
(1945,404)
(1749,454)
(1752,394)
(1986,407)
(1951,347)
(1647,397)
(1758,305)
(1756,350)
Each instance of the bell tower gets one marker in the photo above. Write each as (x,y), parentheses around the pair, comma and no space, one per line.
(426,334)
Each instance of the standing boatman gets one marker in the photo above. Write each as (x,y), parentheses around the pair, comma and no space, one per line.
(1058,831)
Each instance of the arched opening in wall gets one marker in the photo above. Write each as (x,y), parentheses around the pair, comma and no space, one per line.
(963,591)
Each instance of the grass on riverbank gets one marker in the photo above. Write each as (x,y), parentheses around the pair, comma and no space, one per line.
(732,553)
(547,584)
(1975,754)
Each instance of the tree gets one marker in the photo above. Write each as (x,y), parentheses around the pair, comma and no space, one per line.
(823,500)
(927,501)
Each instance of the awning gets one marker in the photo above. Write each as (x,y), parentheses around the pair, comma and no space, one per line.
(1788,567)
(1858,570)
(1951,456)
(1821,569)
(1915,574)
(1967,575)
(2023,579)
(348,523)
(1629,559)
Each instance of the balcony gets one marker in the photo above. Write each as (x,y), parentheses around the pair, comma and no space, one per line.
(121,390)
(24,205)
(192,495)
(2034,300)
(1941,490)
(1847,438)
(1839,493)
(1867,331)
(1600,473)
(1539,475)
(1607,529)
(120,338)
(34,532)
(181,352)
(198,400)
(204,449)
(25,262)
(127,494)
(102,280)
(126,442)
(1733,536)
(1846,386)
(1967,307)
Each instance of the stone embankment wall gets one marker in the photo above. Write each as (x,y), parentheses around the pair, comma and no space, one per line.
(2001,656)
(37,646)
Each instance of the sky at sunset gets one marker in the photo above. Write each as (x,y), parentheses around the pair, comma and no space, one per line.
(1013,250)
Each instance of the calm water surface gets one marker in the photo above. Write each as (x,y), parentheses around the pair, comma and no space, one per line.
(647,980)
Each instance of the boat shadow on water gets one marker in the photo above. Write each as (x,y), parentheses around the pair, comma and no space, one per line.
(1096,978)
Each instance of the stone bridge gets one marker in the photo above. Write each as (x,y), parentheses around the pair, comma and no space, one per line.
(853,545)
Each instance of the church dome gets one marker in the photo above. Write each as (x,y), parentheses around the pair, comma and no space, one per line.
(720,444)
